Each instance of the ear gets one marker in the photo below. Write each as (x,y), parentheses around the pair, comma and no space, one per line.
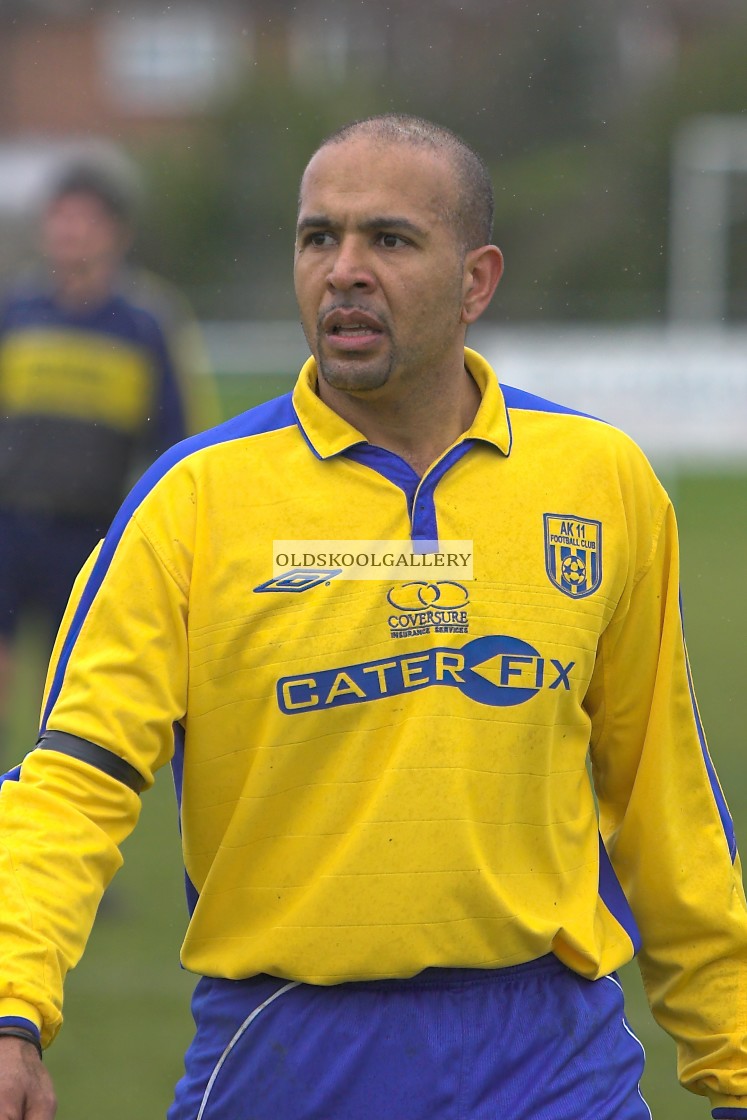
(483,269)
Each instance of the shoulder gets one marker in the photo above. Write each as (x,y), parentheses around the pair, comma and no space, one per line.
(263,419)
(571,423)
(191,453)
(520,400)
(153,302)
(204,474)
(27,301)
(158,295)
(557,439)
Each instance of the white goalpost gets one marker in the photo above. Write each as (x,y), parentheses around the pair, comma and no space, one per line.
(709,152)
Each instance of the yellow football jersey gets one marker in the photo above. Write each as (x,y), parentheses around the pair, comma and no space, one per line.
(386,773)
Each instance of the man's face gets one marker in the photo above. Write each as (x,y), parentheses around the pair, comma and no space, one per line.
(78,231)
(379,271)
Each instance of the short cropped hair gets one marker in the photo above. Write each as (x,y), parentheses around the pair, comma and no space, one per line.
(473,220)
(98,182)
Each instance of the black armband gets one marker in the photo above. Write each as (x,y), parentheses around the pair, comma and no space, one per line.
(102,759)
(24,1035)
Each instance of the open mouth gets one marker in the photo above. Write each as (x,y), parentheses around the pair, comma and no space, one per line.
(353,330)
(351,322)
(350,330)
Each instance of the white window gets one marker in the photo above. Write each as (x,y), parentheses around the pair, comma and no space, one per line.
(172,60)
(333,43)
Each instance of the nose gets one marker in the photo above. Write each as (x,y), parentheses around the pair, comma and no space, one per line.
(350,266)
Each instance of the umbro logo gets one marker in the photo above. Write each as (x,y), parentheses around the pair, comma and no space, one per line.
(299,579)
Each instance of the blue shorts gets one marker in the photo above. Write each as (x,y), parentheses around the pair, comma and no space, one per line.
(533,1042)
(40,556)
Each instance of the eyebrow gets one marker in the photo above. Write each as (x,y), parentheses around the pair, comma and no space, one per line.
(368,225)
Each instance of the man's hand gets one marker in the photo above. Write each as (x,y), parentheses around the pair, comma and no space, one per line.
(26,1091)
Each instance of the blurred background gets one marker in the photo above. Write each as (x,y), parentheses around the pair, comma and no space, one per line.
(616,132)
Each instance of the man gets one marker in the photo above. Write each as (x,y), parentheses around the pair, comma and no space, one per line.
(404,901)
(95,382)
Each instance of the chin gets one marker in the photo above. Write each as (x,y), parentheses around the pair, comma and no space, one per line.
(353,378)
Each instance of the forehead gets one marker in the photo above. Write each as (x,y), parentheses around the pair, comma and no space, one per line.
(81,205)
(361,176)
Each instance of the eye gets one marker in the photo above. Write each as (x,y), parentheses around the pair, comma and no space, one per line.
(318,238)
(392,240)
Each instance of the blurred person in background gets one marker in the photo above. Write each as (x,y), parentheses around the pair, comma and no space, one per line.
(97,365)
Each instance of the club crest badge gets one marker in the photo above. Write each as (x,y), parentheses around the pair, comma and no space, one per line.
(573,554)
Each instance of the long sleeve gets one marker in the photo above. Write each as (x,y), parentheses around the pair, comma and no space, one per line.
(669,833)
(62,824)
(116,680)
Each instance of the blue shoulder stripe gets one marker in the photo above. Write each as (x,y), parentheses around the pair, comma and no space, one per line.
(528,402)
(11,775)
(268,417)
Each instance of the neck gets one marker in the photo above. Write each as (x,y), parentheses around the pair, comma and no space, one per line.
(418,426)
(83,286)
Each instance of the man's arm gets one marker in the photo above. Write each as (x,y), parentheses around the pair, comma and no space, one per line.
(61,825)
(115,688)
(26,1091)
(668,830)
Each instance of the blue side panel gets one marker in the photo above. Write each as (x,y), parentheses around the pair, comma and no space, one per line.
(520,399)
(723,810)
(729,1114)
(177,770)
(192,894)
(268,417)
(613,897)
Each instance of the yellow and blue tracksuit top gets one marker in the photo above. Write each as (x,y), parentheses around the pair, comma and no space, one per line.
(85,395)
(382,775)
